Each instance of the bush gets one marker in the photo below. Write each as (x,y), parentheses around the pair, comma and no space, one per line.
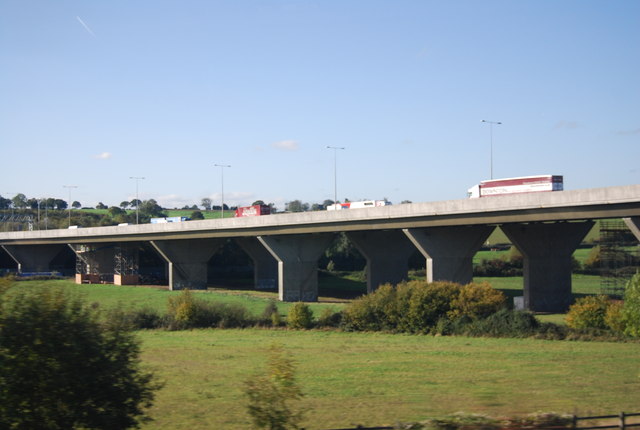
(505,323)
(477,301)
(588,312)
(271,315)
(300,316)
(185,311)
(272,394)
(631,307)
(60,368)
(329,318)
(418,307)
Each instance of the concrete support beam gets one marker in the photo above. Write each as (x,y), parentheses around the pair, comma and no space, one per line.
(265,266)
(387,253)
(33,258)
(297,257)
(547,251)
(187,261)
(634,225)
(449,250)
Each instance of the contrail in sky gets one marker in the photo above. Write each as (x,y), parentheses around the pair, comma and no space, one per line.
(86,27)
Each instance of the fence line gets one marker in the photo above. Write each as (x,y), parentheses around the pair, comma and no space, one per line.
(622,424)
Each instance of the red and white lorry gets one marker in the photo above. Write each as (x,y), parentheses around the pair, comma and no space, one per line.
(524,184)
(255,210)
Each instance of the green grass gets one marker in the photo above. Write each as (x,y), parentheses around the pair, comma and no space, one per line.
(136,297)
(369,378)
(379,379)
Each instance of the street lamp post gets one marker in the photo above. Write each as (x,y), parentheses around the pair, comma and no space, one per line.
(222,166)
(335,172)
(491,124)
(69,187)
(137,178)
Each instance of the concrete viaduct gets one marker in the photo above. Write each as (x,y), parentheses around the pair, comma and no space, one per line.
(285,248)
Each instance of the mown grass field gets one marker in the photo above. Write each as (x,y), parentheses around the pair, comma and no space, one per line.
(375,379)
(368,378)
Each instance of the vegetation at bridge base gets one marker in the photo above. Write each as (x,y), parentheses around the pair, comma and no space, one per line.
(418,306)
(603,313)
(62,368)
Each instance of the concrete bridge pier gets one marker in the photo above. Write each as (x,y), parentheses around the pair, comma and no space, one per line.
(634,225)
(297,256)
(33,258)
(96,260)
(547,251)
(387,253)
(449,250)
(265,267)
(187,261)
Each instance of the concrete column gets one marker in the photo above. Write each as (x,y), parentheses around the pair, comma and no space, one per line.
(187,260)
(449,250)
(547,251)
(297,257)
(33,258)
(387,253)
(265,266)
(634,225)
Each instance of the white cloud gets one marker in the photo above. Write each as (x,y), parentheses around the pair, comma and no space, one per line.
(286,145)
(103,156)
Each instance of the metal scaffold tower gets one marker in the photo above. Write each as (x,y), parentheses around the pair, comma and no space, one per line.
(126,261)
(619,256)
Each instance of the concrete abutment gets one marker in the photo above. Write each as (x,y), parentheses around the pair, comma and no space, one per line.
(449,250)
(547,249)
(297,259)
(387,253)
(187,261)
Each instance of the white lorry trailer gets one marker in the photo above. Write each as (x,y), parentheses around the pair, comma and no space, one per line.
(524,184)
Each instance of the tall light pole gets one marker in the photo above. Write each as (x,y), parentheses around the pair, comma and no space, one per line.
(491,124)
(69,187)
(335,172)
(222,166)
(137,178)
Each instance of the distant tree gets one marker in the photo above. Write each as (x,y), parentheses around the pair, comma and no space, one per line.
(19,201)
(317,207)
(296,206)
(405,201)
(196,215)
(115,211)
(150,208)
(206,203)
(32,203)
(327,203)
(76,205)
(124,204)
(101,206)
(5,203)
(258,203)
(50,203)
(135,203)
(61,368)
(61,204)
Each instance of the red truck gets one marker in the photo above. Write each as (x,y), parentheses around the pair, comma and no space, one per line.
(255,210)
(525,184)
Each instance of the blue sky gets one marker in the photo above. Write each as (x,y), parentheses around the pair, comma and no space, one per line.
(92,93)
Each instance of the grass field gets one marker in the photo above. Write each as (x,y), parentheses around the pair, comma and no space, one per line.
(375,379)
(369,378)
